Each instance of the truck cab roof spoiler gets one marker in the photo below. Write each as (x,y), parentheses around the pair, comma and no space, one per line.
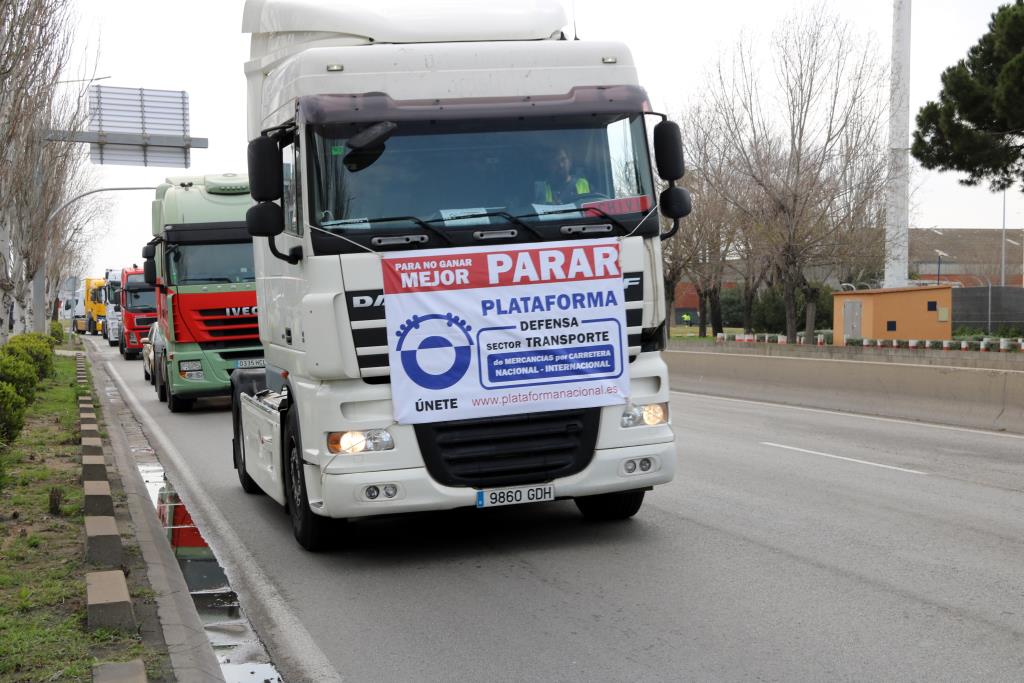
(207,233)
(376,106)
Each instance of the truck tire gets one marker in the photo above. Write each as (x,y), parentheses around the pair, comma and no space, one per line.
(312,531)
(121,347)
(607,507)
(247,382)
(145,374)
(178,404)
(158,379)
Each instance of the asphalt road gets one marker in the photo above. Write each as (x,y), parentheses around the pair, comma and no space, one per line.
(793,545)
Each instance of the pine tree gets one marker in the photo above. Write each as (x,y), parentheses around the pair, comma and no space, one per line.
(977,126)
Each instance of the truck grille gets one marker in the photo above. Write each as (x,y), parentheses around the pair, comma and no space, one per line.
(213,324)
(509,450)
(144,322)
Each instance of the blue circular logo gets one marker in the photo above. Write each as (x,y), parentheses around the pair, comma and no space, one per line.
(433,341)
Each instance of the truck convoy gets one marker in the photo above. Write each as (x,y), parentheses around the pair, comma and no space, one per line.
(200,264)
(138,311)
(112,295)
(458,264)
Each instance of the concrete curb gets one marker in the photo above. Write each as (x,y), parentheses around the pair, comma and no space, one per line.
(94,468)
(98,501)
(120,672)
(108,603)
(102,541)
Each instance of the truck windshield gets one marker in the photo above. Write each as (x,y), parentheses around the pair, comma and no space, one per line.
(140,299)
(201,264)
(440,172)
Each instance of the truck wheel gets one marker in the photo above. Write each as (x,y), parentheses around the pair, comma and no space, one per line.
(159,382)
(238,449)
(610,506)
(178,404)
(121,347)
(311,531)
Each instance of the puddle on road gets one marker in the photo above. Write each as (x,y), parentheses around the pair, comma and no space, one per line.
(242,657)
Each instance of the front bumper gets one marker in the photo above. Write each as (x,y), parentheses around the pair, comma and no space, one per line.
(342,495)
(216,372)
(135,345)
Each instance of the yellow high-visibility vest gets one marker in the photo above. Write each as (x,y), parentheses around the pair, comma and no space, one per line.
(582,187)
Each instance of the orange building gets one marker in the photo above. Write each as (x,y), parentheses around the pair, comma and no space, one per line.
(900,313)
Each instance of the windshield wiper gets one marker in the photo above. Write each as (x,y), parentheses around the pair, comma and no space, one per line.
(583,211)
(491,214)
(392,219)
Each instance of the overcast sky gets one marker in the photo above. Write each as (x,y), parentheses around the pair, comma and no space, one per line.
(197,46)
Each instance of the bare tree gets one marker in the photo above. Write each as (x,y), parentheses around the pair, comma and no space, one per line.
(38,173)
(809,144)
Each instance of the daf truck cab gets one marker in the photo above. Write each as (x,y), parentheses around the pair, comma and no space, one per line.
(200,264)
(458,264)
(112,295)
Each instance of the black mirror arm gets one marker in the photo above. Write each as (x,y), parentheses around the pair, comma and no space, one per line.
(671,233)
(293,256)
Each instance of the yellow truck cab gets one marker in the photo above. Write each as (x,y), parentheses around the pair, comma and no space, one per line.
(95,305)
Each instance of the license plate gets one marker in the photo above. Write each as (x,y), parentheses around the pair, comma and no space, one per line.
(489,498)
(251,363)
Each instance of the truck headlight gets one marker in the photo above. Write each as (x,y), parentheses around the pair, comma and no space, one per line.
(650,415)
(351,443)
(190,365)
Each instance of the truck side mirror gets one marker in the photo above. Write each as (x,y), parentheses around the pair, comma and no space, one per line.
(266,173)
(149,271)
(668,151)
(149,251)
(675,202)
(265,219)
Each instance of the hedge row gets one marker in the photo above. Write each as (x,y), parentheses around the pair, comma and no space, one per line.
(25,360)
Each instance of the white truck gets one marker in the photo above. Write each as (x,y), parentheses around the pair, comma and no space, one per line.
(112,295)
(457,250)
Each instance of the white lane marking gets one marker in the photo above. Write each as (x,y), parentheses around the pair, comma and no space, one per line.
(861,416)
(840,457)
(300,650)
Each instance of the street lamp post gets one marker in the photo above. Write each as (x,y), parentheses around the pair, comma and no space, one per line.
(1002,261)
(938,270)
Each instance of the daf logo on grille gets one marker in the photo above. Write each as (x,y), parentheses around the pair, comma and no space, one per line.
(240,310)
(367,301)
